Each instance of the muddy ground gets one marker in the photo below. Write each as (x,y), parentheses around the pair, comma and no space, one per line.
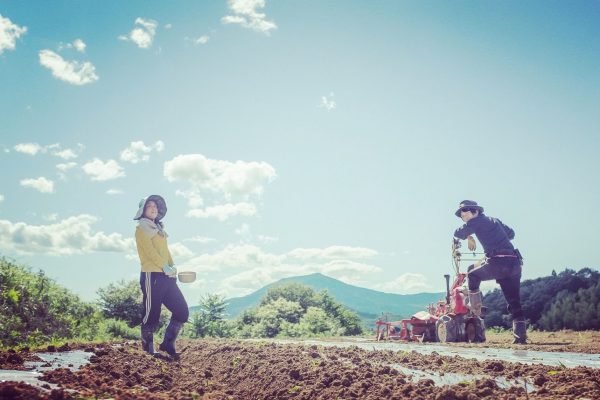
(228,369)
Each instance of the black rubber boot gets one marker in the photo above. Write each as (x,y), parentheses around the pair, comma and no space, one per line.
(171,334)
(520,332)
(148,339)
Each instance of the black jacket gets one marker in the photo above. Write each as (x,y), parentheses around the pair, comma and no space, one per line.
(493,235)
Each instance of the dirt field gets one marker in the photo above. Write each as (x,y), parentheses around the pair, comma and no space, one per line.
(227,369)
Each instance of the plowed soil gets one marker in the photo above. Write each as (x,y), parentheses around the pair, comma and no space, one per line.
(227,369)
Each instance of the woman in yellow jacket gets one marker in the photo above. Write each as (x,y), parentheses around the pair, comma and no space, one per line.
(158,278)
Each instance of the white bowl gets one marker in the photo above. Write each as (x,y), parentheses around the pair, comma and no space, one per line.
(186,276)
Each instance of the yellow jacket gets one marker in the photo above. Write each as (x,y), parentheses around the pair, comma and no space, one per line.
(154,253)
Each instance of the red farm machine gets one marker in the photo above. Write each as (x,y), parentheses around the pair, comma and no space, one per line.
(450,320)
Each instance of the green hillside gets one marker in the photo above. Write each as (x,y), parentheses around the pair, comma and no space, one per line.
(368,303)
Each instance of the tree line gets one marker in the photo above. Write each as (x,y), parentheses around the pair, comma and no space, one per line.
(567,300)
(36,310)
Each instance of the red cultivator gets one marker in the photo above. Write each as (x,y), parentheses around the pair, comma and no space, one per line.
(450,320)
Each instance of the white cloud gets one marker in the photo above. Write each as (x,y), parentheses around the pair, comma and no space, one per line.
(180,251)
(259,268)
(267,239)
(70,236)
(1,198)
(9,33)
(194,198)
(238,178)
(327,102)
(55,149)
(64,167)
(79,45)
(243,230)
(408,283)
(331,253)
(40,184)
(99,170)
(138,151)
(71,72)
(245,14)
(29,148)
(114,192)
(168,26)
(50,217)
(202,39)
(143,34)
(223,212)
(66,154)
(200,239)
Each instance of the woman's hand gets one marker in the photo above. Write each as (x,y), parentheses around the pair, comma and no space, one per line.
(170,271)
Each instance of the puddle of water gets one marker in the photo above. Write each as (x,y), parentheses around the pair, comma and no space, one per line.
(67,359)
(569,360)
(452,378)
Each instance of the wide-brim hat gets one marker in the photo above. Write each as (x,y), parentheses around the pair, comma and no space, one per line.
(161,205)
(468,204)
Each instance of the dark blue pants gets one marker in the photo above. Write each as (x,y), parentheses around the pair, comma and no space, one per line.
(159,289)
(507,273)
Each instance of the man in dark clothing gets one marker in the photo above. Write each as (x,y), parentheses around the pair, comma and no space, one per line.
(502,262)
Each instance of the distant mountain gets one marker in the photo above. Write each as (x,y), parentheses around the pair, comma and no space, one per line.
(368,303)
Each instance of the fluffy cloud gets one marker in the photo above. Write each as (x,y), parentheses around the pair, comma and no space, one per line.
(73,235)
(138,151)
(113,192)
(331,253)
(40,184)
(71,72)
(200,239)
(223,212)
(1,198)
(327,102)
(260,268)
(240,180)
(179,251)
(77,44)
(143,34)
(408,283)
(245,14)
(201,40)
(55,149)
(9,33)
(29,148)
(232,179)
(99,170)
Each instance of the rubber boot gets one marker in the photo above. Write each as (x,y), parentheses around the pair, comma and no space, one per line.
(519,332)
(171,334)
(475,302)
(148,340)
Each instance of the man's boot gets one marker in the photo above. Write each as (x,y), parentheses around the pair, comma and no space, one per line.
(171,333)
(148,339)
(519,332)
(475,302)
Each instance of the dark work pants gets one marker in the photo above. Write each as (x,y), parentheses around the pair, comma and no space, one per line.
(507,273)
(159,289)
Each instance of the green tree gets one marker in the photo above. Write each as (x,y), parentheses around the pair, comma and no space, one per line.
(34,309)
(292,291)
(122,301)
(210,320)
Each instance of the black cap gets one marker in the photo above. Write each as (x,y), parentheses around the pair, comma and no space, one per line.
(468,204)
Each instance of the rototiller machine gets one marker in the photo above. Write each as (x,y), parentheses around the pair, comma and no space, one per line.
(450,320)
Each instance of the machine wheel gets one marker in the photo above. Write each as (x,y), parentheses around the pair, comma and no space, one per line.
(445,329)
(475,330)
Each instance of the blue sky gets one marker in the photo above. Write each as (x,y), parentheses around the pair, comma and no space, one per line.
(295,137)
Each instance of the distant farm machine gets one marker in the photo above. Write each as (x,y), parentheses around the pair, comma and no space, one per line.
(449,320)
